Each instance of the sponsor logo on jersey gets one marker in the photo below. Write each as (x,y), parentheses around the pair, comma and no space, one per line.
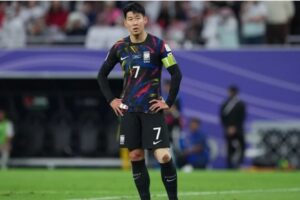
(146,56)
(123,58)
(136,56)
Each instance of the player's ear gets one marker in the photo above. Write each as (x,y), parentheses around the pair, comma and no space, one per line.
(125,23)
(146,20)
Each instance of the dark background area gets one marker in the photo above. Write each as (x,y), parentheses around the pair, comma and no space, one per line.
(60,117)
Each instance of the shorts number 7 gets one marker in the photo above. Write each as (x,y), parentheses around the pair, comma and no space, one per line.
(158,132)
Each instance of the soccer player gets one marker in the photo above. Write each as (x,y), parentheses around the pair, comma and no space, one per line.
(140,106)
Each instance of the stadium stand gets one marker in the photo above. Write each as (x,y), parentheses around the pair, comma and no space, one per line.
(50,92)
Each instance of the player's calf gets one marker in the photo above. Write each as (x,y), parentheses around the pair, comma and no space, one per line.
(168,172)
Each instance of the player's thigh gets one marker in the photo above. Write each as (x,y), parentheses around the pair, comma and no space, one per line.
(154,131)
(130,131)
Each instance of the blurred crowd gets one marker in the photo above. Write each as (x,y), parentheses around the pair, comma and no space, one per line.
(184,24)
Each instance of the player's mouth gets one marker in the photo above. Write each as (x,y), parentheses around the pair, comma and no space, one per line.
(136,29)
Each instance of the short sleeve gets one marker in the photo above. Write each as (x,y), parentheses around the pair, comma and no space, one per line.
(167,57)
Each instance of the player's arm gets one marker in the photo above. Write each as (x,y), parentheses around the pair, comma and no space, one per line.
(169,62)
(176,77)
(104,71)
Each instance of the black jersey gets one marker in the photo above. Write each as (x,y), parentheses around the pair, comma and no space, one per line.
(142,66)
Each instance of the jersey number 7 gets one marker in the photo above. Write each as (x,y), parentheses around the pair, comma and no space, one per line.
(136,71)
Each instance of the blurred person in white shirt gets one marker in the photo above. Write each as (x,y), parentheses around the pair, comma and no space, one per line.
(13,32)
(210,27)
(227,29)
(253,20)
(102,35)
(279,15)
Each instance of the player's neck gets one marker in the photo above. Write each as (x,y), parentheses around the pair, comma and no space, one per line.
(139,38)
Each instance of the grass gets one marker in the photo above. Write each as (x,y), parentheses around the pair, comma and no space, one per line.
(67,184)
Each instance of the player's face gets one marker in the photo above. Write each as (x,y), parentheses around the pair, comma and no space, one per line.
(135,23)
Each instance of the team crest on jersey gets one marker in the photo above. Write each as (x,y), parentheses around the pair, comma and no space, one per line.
(146,56)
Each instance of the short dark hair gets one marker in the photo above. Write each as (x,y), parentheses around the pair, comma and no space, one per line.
(234,89)
(134,7)
(195,120)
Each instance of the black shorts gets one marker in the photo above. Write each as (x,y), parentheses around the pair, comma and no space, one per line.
(144,131)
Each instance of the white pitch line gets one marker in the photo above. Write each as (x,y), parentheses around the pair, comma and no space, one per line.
(204,193)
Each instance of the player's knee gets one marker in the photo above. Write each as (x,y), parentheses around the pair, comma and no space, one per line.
(136,155)
(166,158)
(163,156)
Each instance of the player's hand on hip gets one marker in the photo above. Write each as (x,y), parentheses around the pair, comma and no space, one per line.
(158,105)
(116,106)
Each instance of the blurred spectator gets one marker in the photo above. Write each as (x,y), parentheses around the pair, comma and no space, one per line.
(210,27)
(164,16)
(32,11)
(88,8)
(279,16)
(227,30)
(6,135)
(37,27)
(152,9)
(112,15)
(13,32)
(182,10)
(193,32)
(102,35)
(76,24)
(253,17)
(33,15)
(154,28)
(175,33)
(295,29)
(57,15)
(2,12)
(195,150)
(232,115)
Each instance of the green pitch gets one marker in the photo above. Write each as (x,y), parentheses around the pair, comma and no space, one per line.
(118,185)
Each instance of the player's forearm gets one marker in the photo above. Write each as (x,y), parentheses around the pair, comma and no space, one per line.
(104,84)
(176,77)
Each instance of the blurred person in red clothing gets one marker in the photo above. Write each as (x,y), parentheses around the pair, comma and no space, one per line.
(2,12)
(57,16)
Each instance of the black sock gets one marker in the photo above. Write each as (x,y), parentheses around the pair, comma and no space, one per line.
(141,179)
(169,178)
